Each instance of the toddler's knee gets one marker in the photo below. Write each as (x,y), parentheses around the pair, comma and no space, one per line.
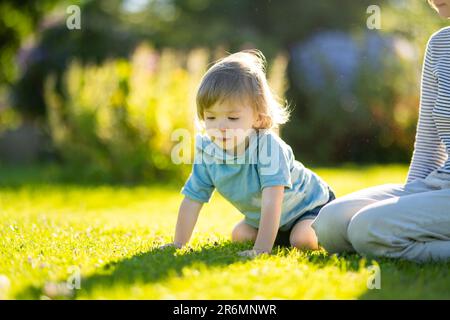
(242,233)
(304,243)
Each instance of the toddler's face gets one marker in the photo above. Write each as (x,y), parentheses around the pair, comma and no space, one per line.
(228,123)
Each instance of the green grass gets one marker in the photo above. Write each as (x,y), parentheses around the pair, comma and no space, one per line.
(110,233)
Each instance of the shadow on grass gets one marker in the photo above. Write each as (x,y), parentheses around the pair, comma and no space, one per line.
(156,265)
(398,279)
(152,266)
(401,279)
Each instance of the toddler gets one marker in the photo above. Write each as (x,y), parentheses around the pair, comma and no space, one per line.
(248,163)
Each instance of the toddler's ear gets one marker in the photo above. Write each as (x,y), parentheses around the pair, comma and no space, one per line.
(262,121)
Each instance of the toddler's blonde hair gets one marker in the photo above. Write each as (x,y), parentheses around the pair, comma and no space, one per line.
(242,77)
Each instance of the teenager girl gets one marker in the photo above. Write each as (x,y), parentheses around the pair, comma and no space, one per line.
(412,220)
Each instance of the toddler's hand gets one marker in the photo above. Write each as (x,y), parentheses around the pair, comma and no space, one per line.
(252,253)
(170,245)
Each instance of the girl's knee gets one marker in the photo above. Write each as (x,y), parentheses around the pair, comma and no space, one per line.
(327,224)
(328,216)
(360,231)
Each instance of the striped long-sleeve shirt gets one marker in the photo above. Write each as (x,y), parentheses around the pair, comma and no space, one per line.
(432,145)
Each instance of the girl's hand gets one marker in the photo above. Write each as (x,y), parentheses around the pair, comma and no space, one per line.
(252,253)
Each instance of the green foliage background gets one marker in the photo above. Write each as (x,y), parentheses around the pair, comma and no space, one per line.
(109,115)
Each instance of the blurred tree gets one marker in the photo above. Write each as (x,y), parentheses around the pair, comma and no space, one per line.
(101,36)
(18,19)
(113,28)
(268,25)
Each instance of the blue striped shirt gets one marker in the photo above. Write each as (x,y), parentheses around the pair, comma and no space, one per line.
(267,161)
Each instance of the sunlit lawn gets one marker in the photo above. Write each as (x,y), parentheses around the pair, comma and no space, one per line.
(49,230)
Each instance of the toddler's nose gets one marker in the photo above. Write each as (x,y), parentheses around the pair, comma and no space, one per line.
(223,128)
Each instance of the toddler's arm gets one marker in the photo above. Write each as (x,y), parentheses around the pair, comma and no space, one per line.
(187,218)
(272,199)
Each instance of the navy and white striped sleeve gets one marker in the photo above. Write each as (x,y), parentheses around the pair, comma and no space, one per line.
(429,151)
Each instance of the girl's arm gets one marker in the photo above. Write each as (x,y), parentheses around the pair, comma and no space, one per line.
(187,218)
(272,199)
(429,152)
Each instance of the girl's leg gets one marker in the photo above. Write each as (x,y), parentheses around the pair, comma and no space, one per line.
(413,227)
(333,219)
(303,236)
(243,232)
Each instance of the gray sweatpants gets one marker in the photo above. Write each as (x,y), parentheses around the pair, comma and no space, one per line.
(410,221)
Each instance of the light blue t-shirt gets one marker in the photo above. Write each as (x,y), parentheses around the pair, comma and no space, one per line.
(267,161)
